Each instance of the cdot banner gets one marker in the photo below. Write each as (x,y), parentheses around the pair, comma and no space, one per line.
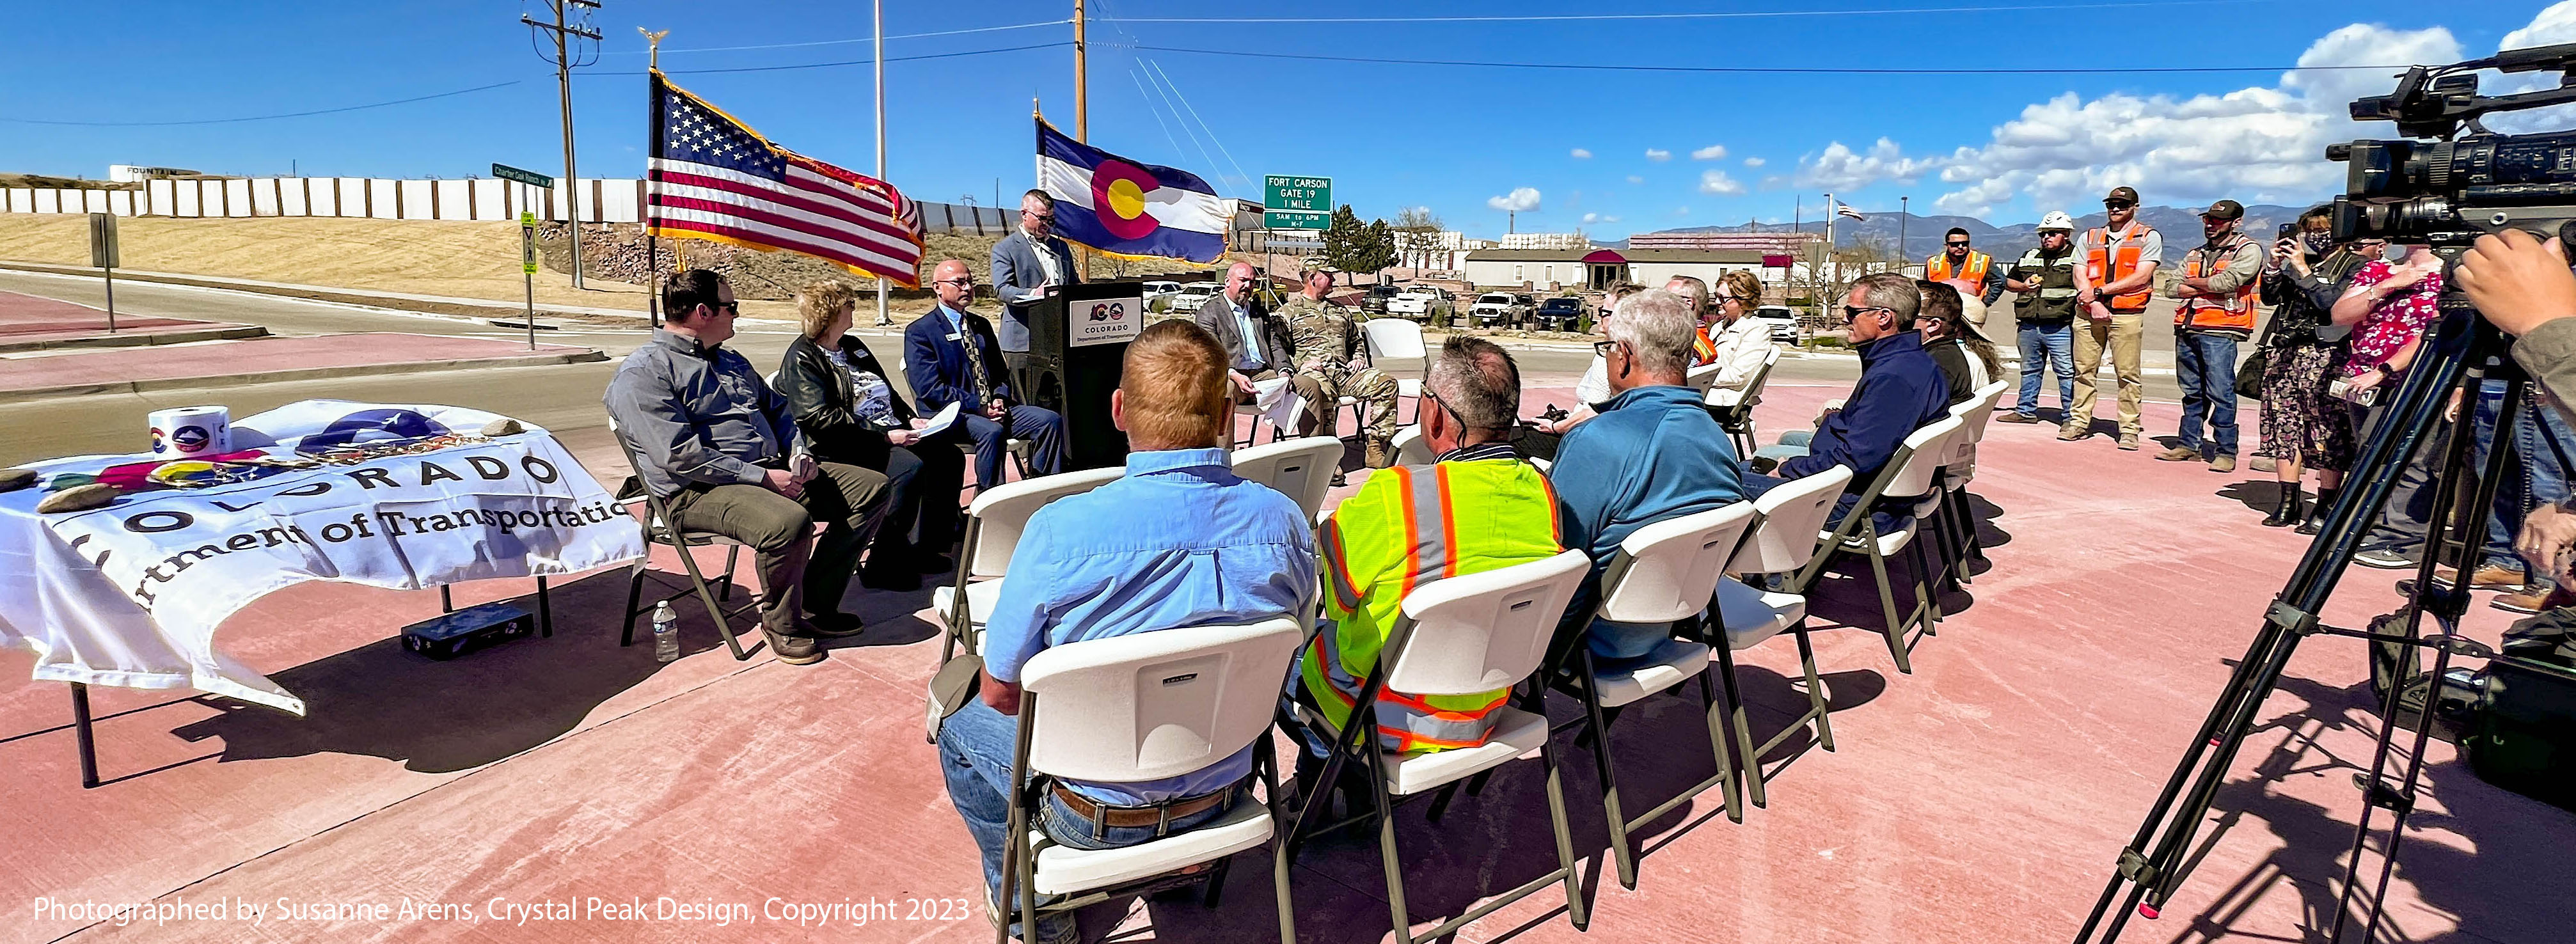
(403,497)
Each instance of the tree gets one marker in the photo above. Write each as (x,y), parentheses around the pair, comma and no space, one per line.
(1417,237)
(1342,239)
(1376,251)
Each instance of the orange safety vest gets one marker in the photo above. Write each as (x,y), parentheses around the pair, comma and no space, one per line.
(1970,280)
(2232,312)
(2117,266)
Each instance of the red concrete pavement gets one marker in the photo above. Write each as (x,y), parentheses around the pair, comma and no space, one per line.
(268,359)
(1980,799)
(28,321)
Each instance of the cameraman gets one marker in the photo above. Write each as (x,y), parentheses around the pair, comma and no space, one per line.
(2523,286)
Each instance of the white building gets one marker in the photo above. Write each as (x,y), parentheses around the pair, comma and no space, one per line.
(1446,251)
(1573,240)
(1600,268)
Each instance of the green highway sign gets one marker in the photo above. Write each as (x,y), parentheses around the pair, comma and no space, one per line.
(1295,219)
(1284,192)
(529,177)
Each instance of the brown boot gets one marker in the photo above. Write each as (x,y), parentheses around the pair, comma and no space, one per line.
(1381,453)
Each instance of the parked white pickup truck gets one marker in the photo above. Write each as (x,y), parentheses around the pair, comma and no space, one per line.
(1421,303)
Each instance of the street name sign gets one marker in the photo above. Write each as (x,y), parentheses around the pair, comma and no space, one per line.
(529,177)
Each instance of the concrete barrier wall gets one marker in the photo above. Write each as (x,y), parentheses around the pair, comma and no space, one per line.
(601,200)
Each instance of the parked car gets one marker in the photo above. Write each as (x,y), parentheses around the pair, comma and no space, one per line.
(1561,313)
(1187,299)
(1498,309)
(1157,288)
(1783,322)
(1422,303)
(1374,301)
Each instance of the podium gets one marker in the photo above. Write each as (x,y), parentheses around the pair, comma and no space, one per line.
(1077,343)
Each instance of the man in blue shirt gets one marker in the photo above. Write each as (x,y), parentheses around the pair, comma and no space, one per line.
(1653,453)
(1901,388)
(950,356)
(1179,542)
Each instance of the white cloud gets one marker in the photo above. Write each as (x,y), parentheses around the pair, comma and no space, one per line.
(1754,162)
(1709,153)
(1681,211)
(1658,154)
(1520,200)
(2261,144)
(1598,218)
(1582,155)
(1634,179)
(1714,181)
(1841,168)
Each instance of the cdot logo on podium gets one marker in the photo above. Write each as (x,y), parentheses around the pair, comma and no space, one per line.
(1109,311)
(1103,321)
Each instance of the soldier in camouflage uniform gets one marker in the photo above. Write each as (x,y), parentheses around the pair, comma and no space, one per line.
(1325,346)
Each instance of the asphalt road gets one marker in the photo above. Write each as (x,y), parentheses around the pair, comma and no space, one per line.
(562,398)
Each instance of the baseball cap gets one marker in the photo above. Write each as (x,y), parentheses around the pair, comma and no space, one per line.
(2225,210)
(2122,193)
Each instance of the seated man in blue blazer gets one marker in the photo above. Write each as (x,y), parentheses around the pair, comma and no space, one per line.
(950,356)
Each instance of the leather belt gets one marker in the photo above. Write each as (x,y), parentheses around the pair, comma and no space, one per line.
(1134,816)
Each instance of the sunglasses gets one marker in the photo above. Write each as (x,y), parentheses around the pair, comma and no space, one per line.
(954,282)
(1956,245)
(2117,204)
(1040,217)
(1853,314)
(730,308)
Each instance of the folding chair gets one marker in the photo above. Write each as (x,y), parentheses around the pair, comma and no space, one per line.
(1907,473)
(1144,706)
(1702,377)
(1461,635)
(1958,520)
(658,530)
(1299,468)
(1398,339)
(1411,448)
(1665,572)
(1780,540)
(1018,448)
(1733,409)
(993,525)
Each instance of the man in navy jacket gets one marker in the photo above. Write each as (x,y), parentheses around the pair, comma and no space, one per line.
(950,356)
(1901,389)
(1653,453)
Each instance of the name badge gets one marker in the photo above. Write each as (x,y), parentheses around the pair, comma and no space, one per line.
(957,337)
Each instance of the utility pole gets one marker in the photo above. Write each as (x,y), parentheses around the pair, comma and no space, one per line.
(1903,209)
(883,319)
(1081,78)
(563,82)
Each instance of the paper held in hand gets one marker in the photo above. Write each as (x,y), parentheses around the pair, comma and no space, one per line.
(947,417)
(1278,401)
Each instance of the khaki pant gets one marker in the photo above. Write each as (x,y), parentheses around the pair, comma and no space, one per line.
(798,574)
(1323,391)
(2122,334)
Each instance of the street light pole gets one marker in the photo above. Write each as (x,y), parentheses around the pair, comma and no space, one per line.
(1904,209)
(883,319)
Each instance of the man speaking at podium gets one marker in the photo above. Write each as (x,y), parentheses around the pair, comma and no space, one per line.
(951,356)
(1029,264)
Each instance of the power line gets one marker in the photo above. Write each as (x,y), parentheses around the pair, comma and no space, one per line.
(1211,131)
(294,114)
(839,42)
(1749,14)
(1757,70)
(851,62)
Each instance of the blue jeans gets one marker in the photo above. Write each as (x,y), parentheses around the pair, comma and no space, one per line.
(1040,426)
(2056,343)
(2205,363)
(1792,444)
(2537,474)
(975,750)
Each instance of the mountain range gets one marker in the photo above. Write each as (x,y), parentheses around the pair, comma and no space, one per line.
(1923,234)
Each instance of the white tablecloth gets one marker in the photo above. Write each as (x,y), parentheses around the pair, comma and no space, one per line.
(131,594)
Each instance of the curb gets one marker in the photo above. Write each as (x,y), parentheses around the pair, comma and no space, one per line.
(584,356)
(138,339)
(361,299)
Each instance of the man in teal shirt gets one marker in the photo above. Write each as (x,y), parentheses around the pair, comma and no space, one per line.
(1652,454)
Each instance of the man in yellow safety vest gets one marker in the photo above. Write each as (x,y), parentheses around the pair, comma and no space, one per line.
(1478,508)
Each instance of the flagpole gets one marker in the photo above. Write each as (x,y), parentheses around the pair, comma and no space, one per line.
(883,319)
(1833,266)
(653,136)
(1081,109)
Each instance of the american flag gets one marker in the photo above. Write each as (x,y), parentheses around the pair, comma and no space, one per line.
(714,178)
(1844,209)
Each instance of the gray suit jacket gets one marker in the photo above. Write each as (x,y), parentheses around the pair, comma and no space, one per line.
(1218,317)
(1017,276)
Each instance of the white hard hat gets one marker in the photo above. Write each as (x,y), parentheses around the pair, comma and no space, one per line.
(2057,219)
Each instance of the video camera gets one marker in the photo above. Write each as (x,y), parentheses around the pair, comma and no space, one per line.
(2449,191)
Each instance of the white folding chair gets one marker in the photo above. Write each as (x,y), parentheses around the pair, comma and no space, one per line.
(1734,408)
(1664,573)
(1399,339)
(1411,448)
(1908,473)
(1458,636)
(1958,521)
(993,526)
(1780,541)
(1017,448)
(658,530)
(1299,468)
(1703,377)
(1144,706)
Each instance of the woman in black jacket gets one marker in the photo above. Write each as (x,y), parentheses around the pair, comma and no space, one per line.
(846,407)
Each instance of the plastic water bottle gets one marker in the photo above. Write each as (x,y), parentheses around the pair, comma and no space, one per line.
(666,633)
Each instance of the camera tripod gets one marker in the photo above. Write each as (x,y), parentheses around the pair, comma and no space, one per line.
(2462,353)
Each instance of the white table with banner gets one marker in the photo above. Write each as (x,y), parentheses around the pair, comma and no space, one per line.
(404,497)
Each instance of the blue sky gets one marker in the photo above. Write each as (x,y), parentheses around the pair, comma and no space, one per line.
(1459,140)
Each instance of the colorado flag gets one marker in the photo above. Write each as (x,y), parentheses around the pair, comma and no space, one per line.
(1126,208)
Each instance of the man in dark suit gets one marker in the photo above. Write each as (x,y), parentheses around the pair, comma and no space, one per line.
(1029,264)
(1234,316)
(951,356)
